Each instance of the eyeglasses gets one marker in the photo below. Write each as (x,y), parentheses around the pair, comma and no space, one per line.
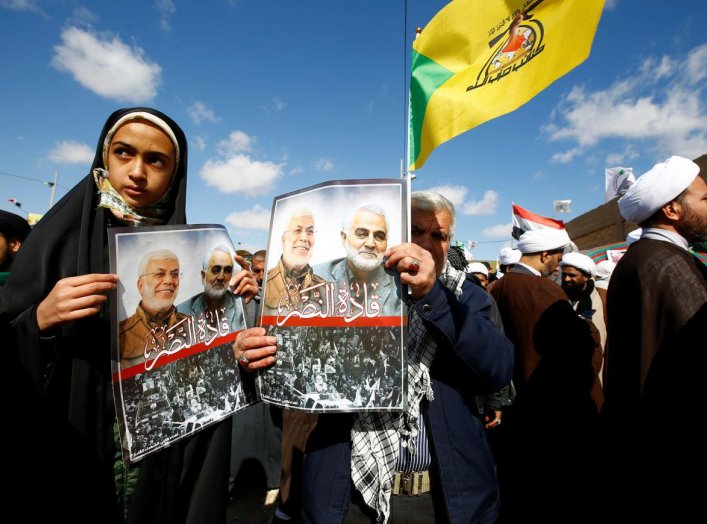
(159,275)
(298,231)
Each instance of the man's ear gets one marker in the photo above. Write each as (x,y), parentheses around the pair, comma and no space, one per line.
(343,239)
(14,245)
(672,211)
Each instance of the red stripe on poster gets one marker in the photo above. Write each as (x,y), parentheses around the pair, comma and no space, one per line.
(337,321)
(166,358)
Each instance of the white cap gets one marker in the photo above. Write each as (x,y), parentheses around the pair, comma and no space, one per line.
(545,239)
(508,256)
(657,187)
(582,262)
(477,267)
(604,270)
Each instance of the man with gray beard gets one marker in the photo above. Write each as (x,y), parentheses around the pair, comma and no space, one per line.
(363,284)
(217,303)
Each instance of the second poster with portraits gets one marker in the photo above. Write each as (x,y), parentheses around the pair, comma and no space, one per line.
(174,322)
(338,314)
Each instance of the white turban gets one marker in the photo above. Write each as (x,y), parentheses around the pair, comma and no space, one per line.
(477,267)
(582,262)
(508,256)
(603,273)
(545,239)
(657,187)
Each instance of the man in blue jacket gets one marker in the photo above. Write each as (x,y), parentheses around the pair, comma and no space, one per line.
(431,462)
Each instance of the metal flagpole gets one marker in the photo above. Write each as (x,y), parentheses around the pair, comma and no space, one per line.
(53,186)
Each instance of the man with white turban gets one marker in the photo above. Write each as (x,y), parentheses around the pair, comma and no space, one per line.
(578,271)
(657,308)
(545,462)
(506,258)
(603,274)
(479,271)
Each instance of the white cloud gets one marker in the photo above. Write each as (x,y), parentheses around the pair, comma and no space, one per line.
(659,102)
(697,64)
(107,66)
(22,5)
(565,157)
(455,194)
(200,112)
(611,4)
(324,164)
(166,9)
(296,171)
(659,69)
(235,171)
(486,206)
(255,218)
(70,152)
(622,158)
(279,104)
(275,105)
(498,231)
(198,142)
(241,174)
(83,15)
(237,142)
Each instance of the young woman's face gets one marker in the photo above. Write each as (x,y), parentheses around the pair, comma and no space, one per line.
(141,163)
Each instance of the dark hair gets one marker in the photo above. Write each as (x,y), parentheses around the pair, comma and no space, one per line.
(655,217)
(13,225)
(701,162)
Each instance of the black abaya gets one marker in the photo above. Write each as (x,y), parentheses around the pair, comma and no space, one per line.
(71,376)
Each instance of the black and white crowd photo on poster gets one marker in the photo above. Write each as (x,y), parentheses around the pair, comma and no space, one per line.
(340,368)
(336,310)
(174,324)
(173,401)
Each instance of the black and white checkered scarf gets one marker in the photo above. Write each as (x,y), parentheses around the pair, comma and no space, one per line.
(376,437)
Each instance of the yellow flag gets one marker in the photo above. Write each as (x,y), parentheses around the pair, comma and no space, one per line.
(479,59)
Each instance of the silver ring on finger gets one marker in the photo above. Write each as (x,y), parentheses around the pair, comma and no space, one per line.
(243,359)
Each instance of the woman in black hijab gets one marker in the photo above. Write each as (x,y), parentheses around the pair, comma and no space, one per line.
(55,297)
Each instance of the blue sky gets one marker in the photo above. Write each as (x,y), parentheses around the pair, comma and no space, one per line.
(279,95)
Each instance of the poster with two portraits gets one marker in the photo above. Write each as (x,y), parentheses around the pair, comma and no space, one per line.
(336,311)
(337,314)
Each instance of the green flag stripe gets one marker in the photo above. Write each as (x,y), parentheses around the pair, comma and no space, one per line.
(426,77)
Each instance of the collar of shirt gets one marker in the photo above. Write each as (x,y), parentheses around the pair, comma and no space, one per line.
(655,233)
(532,270)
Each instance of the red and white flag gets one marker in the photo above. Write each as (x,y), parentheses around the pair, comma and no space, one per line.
(524,220)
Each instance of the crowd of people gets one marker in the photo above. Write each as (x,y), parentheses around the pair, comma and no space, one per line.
(553,390)
(339,368)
